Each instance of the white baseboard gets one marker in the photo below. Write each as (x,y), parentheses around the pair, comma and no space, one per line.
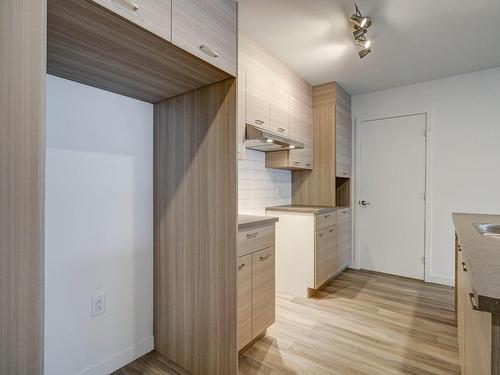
(122,358)
(437,279)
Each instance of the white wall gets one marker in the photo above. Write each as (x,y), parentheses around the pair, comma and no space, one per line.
(465,153)
(260,187)
(99,229)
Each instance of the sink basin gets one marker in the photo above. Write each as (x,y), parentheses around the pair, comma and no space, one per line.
(488,229)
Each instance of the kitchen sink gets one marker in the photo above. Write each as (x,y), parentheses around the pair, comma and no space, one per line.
(488,229)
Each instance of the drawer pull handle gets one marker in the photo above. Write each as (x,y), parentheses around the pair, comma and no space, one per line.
(463,267)
(296,162)
(281,130)
(252,235)
(263,258)
(308,164)
(331,230)
(209,51)
(241,266)
(474,307)
(133,4)
(326,216)
(345,173)
(259,122)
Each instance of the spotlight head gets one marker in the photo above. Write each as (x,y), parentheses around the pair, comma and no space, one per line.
(364,43)
(359,33)
(360,21)
(364,52)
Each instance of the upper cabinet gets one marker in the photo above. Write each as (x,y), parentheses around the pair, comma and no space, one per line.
(152,15)
(280,109)
(257,99)
(207,29)
(343,133)
(273,97)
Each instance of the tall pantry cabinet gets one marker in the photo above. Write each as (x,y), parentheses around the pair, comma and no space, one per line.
(187,70)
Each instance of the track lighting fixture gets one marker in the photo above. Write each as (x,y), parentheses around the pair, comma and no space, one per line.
(361,24)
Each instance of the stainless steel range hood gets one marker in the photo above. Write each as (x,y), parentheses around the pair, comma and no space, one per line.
(265,140)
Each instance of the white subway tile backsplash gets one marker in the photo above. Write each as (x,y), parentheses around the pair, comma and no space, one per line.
(260,187)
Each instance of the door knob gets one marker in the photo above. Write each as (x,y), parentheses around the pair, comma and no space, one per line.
(364,203)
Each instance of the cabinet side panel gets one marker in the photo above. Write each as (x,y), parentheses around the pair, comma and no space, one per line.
(195,229)
(22,150)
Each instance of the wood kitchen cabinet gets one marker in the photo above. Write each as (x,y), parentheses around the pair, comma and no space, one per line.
(344,238)
(207,29)
(152,15)
(307,256)
(343,133)
(474,328)
(273,97)
(332,148)
(258,99)
(255,283)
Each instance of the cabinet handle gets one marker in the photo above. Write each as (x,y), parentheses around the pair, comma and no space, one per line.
(345,173)
(281,130)
(308,164)
(241,266)
(321,234)
(463,267)
(259,122)
(209,51)
(332,230)
(474,307)
(133,4)
(296,162)
(263,258)
(252,235)
(327,216)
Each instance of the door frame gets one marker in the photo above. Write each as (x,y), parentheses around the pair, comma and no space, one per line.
(428,183)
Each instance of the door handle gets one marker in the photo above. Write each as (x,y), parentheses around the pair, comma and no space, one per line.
(364,203)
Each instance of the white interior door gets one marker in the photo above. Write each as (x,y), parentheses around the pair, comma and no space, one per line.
(391,226)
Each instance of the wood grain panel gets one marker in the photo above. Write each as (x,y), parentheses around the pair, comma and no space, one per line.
(91,45)
(263,290)
(343,130)
(152,15)
(344,238)
(244,300)
(258,99)
(325,220)
(322,257)
(195,229)
(317,187)
(210,23)
(280,109)
(22,158)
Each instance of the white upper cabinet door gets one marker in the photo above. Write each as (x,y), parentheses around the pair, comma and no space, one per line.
(152,15)
(207,29)
(258,97)
(280,109)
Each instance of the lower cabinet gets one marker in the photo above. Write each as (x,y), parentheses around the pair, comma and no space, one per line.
(344,238)
(474,327)
(255,285)
(325,255)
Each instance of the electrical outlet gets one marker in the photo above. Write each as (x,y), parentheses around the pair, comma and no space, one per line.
(98,305)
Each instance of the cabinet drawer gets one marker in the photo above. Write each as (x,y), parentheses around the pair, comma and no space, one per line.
(244,300)
(152,15)
(263,291)
(325,220)
(207,29)
(255,239)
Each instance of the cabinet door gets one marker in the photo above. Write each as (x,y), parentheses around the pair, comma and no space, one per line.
(244,300)
(322,257)
(477,334)
(207,29)
(344,241)
(263,290)
(301,129)
(280,110)
(152,15)
(461,293)
(343,133)
(258,97)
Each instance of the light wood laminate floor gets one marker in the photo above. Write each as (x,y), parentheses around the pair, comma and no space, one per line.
(361,323)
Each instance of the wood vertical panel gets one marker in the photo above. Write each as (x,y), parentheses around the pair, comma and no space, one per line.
(195,229)
(22,150)
(317,187)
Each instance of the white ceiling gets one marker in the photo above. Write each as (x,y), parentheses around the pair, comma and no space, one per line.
(413,40)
